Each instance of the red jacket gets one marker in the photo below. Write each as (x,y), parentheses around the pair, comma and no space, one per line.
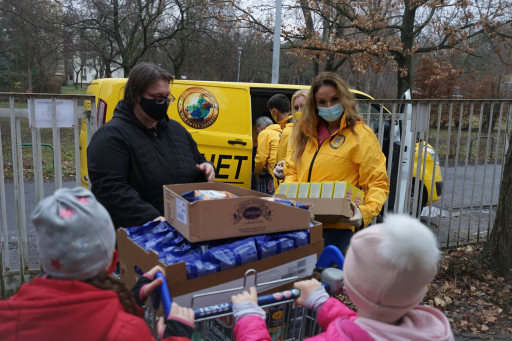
(49,309)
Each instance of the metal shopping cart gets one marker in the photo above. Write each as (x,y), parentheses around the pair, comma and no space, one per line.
(285,320)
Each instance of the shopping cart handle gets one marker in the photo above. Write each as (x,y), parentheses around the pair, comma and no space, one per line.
(330,255)
(222,308)
(165,296)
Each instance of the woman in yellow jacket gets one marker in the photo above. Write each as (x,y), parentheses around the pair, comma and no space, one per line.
(331,143)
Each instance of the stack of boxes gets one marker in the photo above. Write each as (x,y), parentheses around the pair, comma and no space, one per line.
(246,215)
(323,190)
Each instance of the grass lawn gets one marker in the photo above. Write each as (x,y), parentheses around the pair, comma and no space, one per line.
(70,89)
(67,145)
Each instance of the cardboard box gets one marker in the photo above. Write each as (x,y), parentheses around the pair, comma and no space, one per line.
(315,189)
(283,188)
(247,215)
(293,190)
(326,210)
(343,189)
(327,189)
(303,190)
(298,262)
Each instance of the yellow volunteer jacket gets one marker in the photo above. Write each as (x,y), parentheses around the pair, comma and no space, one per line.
(266,152)
(345,156)
(282,147)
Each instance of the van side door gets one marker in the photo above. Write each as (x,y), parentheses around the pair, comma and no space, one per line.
(218,116)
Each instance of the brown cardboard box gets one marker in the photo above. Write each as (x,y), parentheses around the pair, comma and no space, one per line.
(326,210)
(299,262)
(246,215)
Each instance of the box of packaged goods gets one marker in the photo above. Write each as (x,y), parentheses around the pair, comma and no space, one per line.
(208,211)
(193,269)
(328,201)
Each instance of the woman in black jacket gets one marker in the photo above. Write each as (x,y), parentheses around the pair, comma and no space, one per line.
(133,155)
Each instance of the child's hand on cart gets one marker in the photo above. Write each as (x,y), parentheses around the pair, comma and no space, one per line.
(306,287)
(246,296)
(179,322)
(146,284)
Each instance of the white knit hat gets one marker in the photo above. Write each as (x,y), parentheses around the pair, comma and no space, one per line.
(75,235)
(388,267)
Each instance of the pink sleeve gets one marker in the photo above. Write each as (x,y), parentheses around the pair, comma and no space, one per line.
(333,309)
(251,328)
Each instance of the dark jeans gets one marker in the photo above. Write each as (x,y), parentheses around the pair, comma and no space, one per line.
(337,237)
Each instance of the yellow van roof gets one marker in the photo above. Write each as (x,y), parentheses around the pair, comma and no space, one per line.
(235,84)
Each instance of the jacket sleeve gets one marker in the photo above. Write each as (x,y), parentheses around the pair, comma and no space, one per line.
(373,177)
(331,310)
(251,328)
(262,153)
(109,164)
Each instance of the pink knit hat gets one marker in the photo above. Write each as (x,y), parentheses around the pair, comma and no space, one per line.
(388,267)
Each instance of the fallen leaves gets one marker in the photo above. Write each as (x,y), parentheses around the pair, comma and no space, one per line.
(474,299)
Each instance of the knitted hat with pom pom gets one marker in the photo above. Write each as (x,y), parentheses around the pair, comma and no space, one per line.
(388,267)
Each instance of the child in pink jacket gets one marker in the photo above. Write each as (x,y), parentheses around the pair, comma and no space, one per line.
(386,273)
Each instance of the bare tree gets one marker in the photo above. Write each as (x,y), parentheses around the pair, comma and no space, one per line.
(369,33)
(498,249)
(33,35)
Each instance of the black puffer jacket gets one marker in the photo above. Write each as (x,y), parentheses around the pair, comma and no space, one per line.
(129,163)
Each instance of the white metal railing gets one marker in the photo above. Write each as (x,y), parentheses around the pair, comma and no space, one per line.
(18,254)
(468,137)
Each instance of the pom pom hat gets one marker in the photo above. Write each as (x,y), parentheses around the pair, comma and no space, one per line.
(388,267)
(75,235)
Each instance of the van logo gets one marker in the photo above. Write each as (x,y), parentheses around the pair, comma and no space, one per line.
(198,108)
(337,141)
(251,210)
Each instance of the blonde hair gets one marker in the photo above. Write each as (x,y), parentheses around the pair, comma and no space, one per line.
(307,125)
(297,94)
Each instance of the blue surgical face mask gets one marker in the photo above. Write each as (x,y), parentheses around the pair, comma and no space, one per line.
(331,114)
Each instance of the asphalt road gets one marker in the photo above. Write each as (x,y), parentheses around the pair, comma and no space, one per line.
(466,210)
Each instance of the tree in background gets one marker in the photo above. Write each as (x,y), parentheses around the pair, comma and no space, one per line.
(497,251)
(32,42)
(371,33)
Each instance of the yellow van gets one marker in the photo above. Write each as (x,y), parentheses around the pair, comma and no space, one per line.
(225,133)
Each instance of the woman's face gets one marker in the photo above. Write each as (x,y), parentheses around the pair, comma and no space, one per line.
(326,96)
(299,103)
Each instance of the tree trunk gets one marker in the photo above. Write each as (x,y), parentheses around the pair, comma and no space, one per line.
(497,252)
(404,59)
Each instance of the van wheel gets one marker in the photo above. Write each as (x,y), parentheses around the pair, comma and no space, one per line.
(422,202)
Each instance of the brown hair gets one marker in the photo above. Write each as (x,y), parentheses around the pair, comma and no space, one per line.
(140,78)
(104,281)
(307,125)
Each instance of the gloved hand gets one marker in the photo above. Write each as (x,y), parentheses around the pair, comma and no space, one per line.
(357,218)
(180,322)
(278,170)
(146,285)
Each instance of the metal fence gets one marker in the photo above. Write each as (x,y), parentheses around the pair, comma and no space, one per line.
(31,167)
(444,157)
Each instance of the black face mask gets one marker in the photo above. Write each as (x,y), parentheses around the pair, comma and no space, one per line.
(153,109)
